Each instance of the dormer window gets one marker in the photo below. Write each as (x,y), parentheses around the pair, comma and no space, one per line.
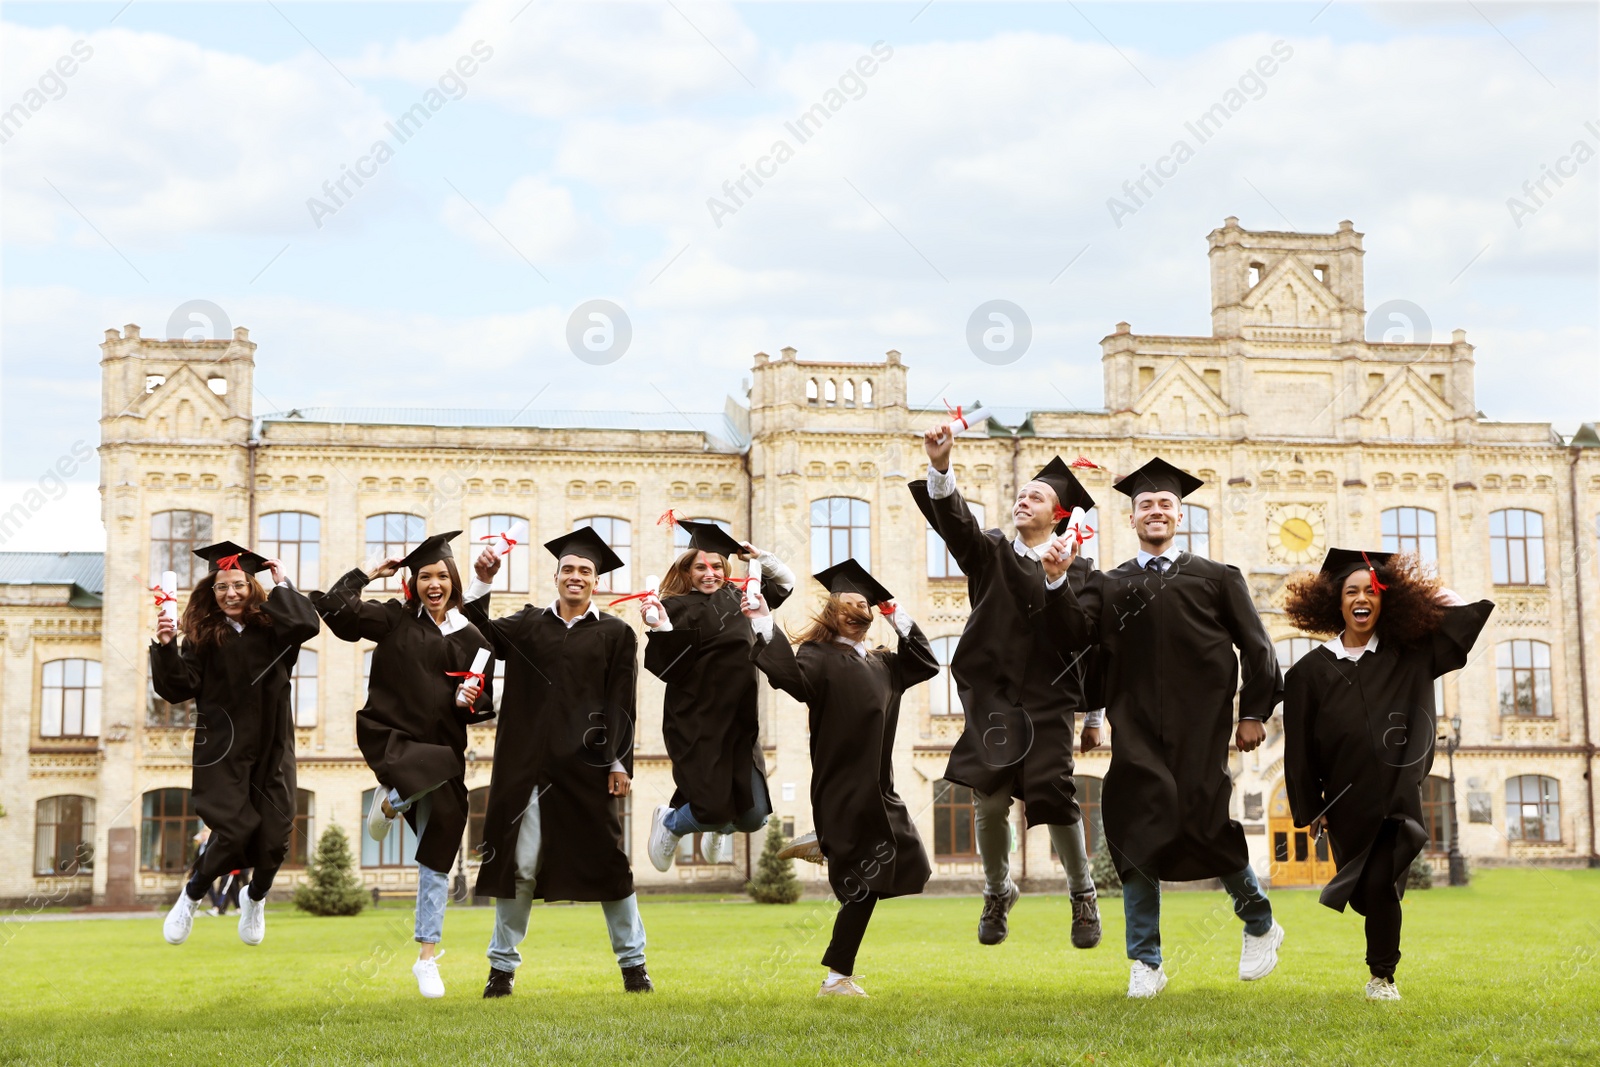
(218,385)
(1321,271)
(152,382)
(1256,270)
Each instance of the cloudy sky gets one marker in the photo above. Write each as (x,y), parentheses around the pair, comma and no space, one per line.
(191,153)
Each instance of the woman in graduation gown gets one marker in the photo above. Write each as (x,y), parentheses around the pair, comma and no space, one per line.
(421,697)
(239,648)
(1359,724)
(700,647)
(853,697)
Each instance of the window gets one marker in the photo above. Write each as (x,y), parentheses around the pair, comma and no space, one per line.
(166,838)
(63,836)
(830,392)
(303,688)
(618,533)
(1436,812)
(625,813)
(1290,649)
(866,392)
(849,393)
(955,834)
(303,833)
(1523,667)
(397,849)
(70,698)
(1194,536)
(691,851)
(942,699)
(513,576)
(392,534)
(841,527)
(174,535)
(1533,808)
(1516,547)
(295,539)
(680,536)
(1094,826)
(1090,549)
(159,713)
(1413,530)
(941,564)
(477,812)
(811,391)
(366,679)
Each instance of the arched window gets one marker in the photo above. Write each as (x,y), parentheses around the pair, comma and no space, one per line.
(941,564)
(1516,547)
(392,533)
(942,699)
(841,527)
(866,392)
(1290,649)
(477,812)
(830,392)
(295,539)
(1414,530)
(1436,812)
(159,713)
(1533,808)
(513,576)
(849,393)
(303,833)
(1194,535)
(69,703)
(680,536)
(618,533)
(167,831)
(1523,670)
(174,535)
(303,688)
(63,836)
(397,849)
(955,827)
(811,391)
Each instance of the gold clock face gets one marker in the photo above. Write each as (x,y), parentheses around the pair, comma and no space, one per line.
(1296,532)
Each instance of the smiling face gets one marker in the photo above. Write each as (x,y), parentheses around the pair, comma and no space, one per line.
(1034,513)
(575,578)
(708,572)
(434,587)
(232,589)
(1156,518)
(855,615)
(1360,604)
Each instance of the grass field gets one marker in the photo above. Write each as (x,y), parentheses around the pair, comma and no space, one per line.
(1506,971)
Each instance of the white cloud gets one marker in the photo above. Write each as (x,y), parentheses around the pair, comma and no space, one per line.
(537,218)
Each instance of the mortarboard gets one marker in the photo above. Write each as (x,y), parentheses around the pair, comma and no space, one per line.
(709,537)
(1158,476)
(1340,563)
(586,543)
(852,577)
(1070,493)
(225,555)
(431,550)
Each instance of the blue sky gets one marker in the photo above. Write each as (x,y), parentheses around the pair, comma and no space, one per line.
(975,165)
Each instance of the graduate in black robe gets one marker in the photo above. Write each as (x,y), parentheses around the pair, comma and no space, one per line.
(852,695)
(563,760)
(699,645)
(239,648)
(428,684)
(1178,637)
(1020,675)
(1359,724)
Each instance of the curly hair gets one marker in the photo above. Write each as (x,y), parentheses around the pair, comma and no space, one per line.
(203,618)
(1408,609)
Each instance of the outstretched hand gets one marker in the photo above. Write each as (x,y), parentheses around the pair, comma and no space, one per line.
(936,442)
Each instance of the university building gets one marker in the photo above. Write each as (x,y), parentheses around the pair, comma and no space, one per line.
(1307,435)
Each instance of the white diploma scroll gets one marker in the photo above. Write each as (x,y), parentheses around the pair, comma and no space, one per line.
(504,542)
(169,587)
(967,421)
(479,662)
(752,592)
(652,616)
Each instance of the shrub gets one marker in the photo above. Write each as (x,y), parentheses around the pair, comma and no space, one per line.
(774,881)
(333,888)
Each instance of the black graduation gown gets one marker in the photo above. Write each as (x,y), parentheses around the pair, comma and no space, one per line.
(854,702)
(709,717)
(244,769)
(1359,740)
(567,714)
(411,732)
(1019,675)
(1170,671)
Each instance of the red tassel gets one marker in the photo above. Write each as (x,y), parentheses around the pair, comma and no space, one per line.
(405,590)
(669,518)
(1061,513)
(1376,584)
(1084,463)
(229,563)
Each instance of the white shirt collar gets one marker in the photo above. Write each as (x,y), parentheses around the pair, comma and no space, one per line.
(555,609)
(238,627)
(1336,646)
(860,647)
(453,619)
(1171,553)
(1027,551)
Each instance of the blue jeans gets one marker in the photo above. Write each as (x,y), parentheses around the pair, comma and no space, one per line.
(1141,908)
(681,821)
(433,887)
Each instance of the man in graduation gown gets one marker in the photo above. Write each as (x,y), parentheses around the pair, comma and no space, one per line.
(1019,671)
(1176,634)
(563,758)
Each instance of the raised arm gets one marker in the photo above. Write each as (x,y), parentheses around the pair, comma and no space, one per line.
(1262,686)
(347,615)
(294,617)
(914,660)
(1451,644)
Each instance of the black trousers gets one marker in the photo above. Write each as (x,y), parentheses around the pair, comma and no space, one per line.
(212,863)
(849,927)
(1375,898)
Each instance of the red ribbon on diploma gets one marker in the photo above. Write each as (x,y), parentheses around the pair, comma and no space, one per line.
(511,542)
(467,674)
(1379,586)
(632,596)
(1082,533)
(954,412)
(162,596)
(230,563)
(886,608)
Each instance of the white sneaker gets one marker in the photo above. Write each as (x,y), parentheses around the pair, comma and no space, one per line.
(1145,981)
(1259,955)
(717,848)
(1382,989)
(663,846)
(252,918)
(429,984)
(180,920)
(843,986)
(377,822)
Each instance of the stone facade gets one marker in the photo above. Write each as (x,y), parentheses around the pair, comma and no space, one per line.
(1306,434)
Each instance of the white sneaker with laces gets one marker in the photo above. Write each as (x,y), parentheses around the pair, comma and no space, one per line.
(1259,955)
(663,846)
(1382,989)
(377,822)
(180,920)
(429,984)
(252,918)
(843,986)
(711,847)
(1145,981)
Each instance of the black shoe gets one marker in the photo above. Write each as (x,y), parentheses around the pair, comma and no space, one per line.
(637,980)
(500,983)
(1085,919)
(992,923)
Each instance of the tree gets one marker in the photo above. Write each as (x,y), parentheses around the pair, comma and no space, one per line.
(774,881)
(333,889)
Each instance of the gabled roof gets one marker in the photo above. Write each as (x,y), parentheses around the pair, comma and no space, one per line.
(84,571)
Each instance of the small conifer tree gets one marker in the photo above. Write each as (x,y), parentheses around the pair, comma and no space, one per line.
(333,888)
(774,881)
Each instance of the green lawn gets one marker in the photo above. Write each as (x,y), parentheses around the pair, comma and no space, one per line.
(1504,971)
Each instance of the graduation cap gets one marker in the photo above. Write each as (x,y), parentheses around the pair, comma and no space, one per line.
(1340,563)
(852,577)
(227,556)
(709,537)
(1070,493)
(431,550)
(1158,476)
(586,543)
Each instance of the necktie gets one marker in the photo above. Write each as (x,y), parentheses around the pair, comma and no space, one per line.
(1158,564)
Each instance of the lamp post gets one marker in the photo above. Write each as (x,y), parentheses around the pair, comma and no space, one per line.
(1458,862)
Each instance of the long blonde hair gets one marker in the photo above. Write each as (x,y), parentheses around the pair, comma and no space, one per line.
(827,623)
(678,580)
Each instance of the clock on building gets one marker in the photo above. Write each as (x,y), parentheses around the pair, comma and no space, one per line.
(1296,533)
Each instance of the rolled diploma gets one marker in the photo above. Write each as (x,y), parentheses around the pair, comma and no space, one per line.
(518,534)
(652,582)
(967,421)
(169,586)
(479,662)
(752,592)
